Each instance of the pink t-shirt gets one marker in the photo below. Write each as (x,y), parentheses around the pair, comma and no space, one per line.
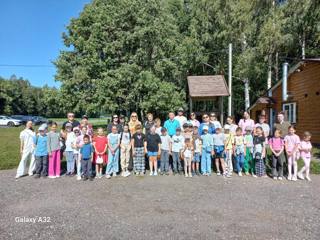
(245,123)
(305,145)
(276,143)
(292,140)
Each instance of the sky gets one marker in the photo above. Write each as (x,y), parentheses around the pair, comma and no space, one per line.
(31,34)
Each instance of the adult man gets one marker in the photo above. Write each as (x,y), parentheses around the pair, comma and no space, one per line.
(281,125)
(171,124)
(71,120)
(181,118)
(115,122)
(26,151)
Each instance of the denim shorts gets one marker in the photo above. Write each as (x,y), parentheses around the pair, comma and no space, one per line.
(196,157)
(152,154)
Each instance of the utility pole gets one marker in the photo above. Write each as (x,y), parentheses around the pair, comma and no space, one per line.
(230,81)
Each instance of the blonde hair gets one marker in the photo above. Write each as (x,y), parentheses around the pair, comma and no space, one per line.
(157,120)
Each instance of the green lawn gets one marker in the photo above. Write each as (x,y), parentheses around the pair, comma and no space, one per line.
(10,157)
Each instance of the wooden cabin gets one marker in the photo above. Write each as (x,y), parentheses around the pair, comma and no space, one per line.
(206,94)
(302,104)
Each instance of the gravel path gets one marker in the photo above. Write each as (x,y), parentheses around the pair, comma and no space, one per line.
(163,207)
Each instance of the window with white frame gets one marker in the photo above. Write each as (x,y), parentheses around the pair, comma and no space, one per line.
(291,111)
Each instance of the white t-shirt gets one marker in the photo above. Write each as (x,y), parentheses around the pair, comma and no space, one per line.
(182,120)
(71,138)
(216,124)
(165,142)
(197,144)
(177,143)
(27,136)
(158,131)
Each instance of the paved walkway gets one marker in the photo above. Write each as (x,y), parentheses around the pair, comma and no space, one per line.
(163,207)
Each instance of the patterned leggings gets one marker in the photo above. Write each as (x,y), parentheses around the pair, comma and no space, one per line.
(138,160)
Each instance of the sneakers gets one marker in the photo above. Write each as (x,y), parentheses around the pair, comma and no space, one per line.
(186,175)
(37,176)
(308,178)
(255,176)
(114,174)
(246,173)
(218,174)
(127,174)
(300,176)
(51,176)
(57,176)
(280,178)
(155,173)
(289,177)
(294,178)
(275,178)
(198,173)
(190,174)
(108,176)
(78,177)
(240,174)
(151,173)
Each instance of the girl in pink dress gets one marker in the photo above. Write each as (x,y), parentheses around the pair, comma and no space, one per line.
(292,143)
(305,153)
(100,143)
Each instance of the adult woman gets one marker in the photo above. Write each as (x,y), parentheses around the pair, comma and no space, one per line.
(206,122)
(193,120)
(231,125)
(214,120)
(133,122)
(265,126)
(115,122)
(246,122)
(85,123)
(26,150)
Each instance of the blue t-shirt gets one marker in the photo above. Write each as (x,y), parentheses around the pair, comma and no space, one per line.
(171,126)
(86,151)
(41,145)
(211,130)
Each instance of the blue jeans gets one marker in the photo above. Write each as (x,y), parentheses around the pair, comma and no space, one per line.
(164,161)
(239,161)
(206,162)
(176,162)
(70,161)
(113,162)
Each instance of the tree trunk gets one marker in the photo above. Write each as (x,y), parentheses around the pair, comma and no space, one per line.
(269,80)
(303,47)
(246,94)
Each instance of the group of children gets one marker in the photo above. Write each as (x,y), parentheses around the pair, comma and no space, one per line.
(191,153)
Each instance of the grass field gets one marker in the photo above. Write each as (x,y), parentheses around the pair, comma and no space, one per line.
(10,157)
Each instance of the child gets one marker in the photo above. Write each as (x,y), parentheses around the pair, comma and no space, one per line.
(86,154)
(207,151)
(137,145)
(176,146)
(157,122)
(125,144)
(53,144)
(292,142)
(79,144)
(305,153)
(259,152)
(187,132)
(249,164)
(218,148)
(228,149)
(113,153)
(165,151)
(100,144)
(197,151)
(276,144)
(152,146)
(76,148)
(41,153)
(188,156)
(70,138)
(239,150)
